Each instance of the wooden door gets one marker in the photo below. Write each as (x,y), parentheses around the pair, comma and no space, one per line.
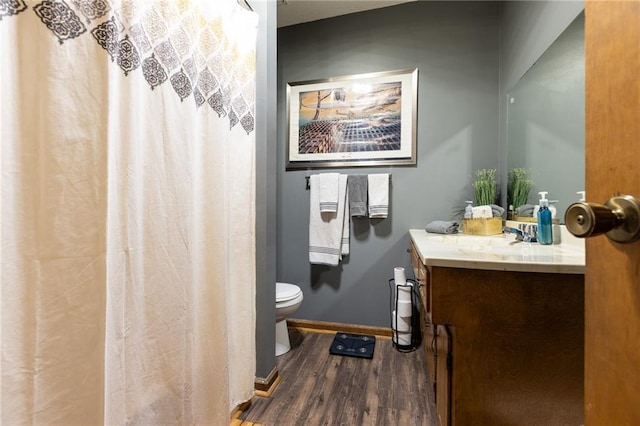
(612,293)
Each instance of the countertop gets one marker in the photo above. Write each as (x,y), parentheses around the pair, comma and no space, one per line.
(499,252)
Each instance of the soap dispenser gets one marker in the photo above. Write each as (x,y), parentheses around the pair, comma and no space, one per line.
(550,204)
(468,211)
(545,233)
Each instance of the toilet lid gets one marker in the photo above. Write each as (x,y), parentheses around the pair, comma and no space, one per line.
(286,291)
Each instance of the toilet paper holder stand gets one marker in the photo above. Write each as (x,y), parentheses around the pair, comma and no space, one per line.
(404,315)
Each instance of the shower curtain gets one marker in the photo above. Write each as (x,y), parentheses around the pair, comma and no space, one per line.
(127,130)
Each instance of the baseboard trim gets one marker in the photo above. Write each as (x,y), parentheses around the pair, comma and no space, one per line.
(264,387)
(235,416)
(333,327)
(243,406)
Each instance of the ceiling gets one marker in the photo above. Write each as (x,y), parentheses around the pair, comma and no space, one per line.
(291,12)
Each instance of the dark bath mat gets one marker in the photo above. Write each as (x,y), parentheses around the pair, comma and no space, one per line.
(357,345)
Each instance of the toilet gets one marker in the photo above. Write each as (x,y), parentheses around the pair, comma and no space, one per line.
(288,300)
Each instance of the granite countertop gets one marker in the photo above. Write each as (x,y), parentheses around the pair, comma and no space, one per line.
(499,252)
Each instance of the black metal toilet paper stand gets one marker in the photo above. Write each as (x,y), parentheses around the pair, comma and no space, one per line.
(414,329)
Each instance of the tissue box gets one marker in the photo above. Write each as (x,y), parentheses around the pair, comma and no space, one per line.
(490,226)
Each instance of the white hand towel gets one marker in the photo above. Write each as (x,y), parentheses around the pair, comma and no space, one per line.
(378,195)
(480,212)
(329,192)
(346,230)
(328,240)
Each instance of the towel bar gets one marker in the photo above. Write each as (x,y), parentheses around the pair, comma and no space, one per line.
(309,186)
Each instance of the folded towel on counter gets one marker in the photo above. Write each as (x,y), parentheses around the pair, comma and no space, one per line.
(525,210)
(328,238)
(378,195)
(328,183)
(442,227)
(357,193)
(497,210)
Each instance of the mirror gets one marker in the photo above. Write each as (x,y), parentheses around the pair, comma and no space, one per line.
(545,120)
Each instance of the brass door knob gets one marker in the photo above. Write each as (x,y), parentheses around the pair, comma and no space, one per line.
(618,219)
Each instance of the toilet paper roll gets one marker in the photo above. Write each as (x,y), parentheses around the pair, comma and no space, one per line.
(404,291)
(403,339)
(399,323)
(399,276)
(404,308)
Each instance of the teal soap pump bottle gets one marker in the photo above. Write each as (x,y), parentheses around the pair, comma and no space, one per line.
(545,233)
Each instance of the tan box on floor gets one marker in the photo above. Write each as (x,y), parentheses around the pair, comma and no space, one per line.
(490,226)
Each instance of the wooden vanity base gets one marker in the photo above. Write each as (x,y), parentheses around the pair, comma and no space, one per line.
(517,345)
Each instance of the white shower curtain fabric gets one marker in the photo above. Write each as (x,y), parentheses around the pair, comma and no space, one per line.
(127,213)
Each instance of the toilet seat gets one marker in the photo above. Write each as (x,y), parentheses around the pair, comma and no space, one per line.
(286,292)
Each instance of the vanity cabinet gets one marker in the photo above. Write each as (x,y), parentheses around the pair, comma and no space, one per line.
(443,359)
(435,338)
(504,347)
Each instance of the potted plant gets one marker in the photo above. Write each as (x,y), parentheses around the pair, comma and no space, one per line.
(486,194)
(519,185)
(485,187)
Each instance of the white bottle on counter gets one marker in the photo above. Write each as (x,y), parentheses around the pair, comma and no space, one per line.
(468,211)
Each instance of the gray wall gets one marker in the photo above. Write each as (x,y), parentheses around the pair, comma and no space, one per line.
(527,29)
(265,187)
(454,45)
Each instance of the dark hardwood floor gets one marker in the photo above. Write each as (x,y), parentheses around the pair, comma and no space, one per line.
(318,388)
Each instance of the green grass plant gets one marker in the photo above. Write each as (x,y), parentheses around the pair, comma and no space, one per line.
(485,187)
(519,185)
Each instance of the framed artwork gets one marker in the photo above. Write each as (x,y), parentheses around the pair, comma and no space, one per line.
(357,120)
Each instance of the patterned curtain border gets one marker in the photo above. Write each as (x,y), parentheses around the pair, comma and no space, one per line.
(170,42)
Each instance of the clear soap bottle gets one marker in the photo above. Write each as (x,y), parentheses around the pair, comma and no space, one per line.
(468,211)
(545,230)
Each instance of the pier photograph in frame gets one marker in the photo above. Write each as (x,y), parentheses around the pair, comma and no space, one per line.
(358,120)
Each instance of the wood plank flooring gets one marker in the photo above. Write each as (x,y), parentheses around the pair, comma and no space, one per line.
(318,388)
(238,422)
